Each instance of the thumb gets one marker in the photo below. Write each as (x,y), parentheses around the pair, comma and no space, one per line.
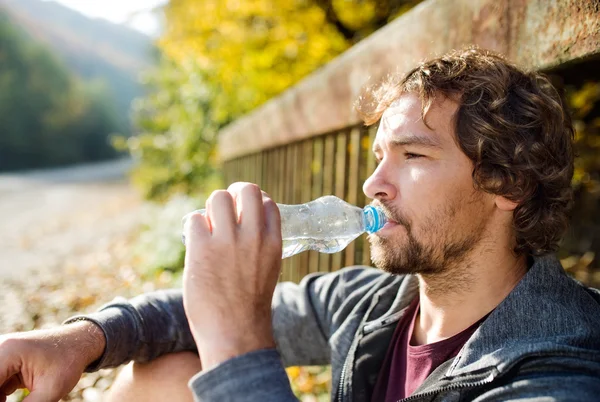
(10,361)
(41,396)
(11,385)
(46,391)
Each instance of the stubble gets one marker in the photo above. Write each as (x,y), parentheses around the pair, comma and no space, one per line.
(441,256)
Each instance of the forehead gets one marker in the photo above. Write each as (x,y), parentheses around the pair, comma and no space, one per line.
(407,107)
(402,119)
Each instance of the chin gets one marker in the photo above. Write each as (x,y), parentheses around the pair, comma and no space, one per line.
(399,255)
(386,257)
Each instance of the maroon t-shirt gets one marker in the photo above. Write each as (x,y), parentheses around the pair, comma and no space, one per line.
(406,366)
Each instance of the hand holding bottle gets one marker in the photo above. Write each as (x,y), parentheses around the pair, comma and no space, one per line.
(232,264)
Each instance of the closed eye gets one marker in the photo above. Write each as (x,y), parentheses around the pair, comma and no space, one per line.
(407,155)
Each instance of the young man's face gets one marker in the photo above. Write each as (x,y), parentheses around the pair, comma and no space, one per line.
(424,183)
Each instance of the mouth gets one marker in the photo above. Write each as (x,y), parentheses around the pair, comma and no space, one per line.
(389,226)
(389,217)
(393,221)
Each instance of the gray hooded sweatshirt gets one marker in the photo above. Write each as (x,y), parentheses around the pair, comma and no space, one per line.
(541,343)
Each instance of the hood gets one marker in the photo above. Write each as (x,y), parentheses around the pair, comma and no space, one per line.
(546,314)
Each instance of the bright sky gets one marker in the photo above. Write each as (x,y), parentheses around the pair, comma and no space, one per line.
(134,13)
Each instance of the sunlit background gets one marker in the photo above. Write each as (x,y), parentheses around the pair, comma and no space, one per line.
(137,14)
(110,113)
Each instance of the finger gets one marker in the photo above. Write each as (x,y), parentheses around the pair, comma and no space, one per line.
(197,228)
(273,222)
(11,385)
(235,190)
(46,393)
(249,205)
(37,396)
(6,376)
(220,209)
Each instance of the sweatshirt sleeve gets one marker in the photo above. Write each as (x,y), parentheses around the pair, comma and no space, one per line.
(304,317)
(256,376)
(141,329)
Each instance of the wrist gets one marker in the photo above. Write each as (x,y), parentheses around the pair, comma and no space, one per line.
(215,353)
(89,340)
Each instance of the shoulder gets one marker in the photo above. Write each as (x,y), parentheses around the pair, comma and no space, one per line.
(556,379)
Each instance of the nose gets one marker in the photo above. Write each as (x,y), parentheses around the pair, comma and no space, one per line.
(378,186)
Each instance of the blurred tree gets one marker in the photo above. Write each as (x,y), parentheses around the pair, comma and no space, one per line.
(358,19)
(175,149)
(581,247)
(48,117)
(241,53)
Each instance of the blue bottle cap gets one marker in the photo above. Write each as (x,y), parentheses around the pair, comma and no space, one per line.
(374,218)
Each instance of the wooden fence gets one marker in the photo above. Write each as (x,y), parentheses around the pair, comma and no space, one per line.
(334,163)
(309,142)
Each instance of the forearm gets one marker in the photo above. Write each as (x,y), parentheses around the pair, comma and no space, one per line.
(141,329)
(89,340)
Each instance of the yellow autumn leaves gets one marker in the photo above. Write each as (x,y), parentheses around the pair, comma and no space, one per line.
(253,49)
(220,60)
(311,383)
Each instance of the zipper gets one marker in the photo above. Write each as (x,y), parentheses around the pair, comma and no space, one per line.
(353,345)
(489,379)
(342,376)
(448,388)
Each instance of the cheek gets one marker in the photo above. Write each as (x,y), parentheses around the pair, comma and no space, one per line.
(429,189)
(421,185)
(416,175)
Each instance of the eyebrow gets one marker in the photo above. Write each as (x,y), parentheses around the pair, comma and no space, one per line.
(411,139)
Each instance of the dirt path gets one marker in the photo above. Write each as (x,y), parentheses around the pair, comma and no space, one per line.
(65,245)
(48,217)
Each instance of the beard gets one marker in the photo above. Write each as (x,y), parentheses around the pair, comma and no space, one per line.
(447,248)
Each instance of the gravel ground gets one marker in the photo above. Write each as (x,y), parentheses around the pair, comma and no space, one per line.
(49,218)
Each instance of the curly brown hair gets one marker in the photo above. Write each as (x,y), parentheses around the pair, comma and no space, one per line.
(511,123)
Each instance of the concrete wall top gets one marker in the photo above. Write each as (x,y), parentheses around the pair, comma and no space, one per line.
(535,34)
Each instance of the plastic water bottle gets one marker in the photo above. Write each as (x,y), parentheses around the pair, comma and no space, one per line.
(327,224)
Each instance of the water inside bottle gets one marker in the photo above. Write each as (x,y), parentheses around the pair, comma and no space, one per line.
(327,225)
(298,245)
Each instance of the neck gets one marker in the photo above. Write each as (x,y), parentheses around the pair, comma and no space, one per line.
(456,299)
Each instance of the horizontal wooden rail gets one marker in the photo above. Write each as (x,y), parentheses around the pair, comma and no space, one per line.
(537,34)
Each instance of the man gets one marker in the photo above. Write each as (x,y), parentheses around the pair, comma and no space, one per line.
(475,163)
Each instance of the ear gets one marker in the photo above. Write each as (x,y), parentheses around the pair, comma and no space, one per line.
(504,204)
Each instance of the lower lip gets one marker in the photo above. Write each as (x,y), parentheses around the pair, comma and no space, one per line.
(389,226)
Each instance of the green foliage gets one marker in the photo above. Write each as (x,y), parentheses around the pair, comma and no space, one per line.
(159,246)
(48,117)
(176,145)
